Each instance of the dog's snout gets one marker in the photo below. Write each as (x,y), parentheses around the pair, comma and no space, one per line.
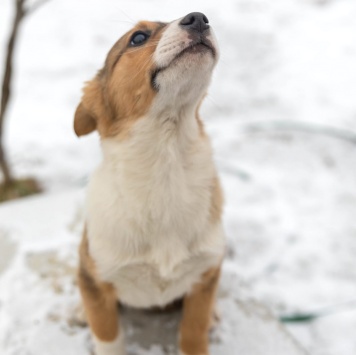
(195,21)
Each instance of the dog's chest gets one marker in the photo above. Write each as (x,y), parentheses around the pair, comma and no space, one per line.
(158,275)
(148,218)
(156,257)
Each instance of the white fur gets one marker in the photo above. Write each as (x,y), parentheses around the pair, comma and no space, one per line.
(183,81)
(148,210)
(173,41)
(115,347)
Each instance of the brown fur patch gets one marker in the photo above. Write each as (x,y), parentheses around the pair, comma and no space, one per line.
(84,122)
(99,298)
(198,309)
(121,92)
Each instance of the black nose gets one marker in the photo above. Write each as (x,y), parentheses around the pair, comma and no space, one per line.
(195,21)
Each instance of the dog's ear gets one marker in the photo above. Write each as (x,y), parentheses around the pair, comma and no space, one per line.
(91,109)
(84,121)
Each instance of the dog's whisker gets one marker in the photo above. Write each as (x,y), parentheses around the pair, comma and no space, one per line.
(119,21)
(132,21)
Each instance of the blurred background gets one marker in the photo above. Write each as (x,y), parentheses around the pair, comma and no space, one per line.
(281,113)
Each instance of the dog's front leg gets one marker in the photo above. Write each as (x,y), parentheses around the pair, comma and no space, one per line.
(198,308)
(101,309)
(100,305)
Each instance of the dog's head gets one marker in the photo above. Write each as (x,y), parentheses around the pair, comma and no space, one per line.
(158,68)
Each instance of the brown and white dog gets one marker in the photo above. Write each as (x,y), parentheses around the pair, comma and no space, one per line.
(153,229)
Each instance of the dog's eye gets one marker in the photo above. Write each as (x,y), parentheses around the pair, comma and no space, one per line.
(138,38)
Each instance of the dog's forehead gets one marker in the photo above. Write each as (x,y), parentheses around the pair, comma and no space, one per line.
(148,26)
(121,45)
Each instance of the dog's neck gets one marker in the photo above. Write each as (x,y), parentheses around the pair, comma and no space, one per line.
(164,134)
(165,163)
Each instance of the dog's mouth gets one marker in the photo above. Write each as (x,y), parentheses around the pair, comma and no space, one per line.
(201,45)
(198,46)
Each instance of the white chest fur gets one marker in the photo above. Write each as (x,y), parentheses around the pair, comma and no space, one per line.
(148,212)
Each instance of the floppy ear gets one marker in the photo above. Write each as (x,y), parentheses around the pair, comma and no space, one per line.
(84,122)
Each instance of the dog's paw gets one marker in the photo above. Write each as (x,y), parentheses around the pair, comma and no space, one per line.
(115,347)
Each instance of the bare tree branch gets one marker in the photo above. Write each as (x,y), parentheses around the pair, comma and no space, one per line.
(6,84)
(20,12)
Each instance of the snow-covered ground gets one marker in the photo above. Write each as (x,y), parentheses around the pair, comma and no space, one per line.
(39,298)
(286,83)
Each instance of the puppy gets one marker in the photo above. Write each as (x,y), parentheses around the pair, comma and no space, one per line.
(153,229)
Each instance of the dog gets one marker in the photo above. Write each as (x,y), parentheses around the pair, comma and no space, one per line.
(153,232)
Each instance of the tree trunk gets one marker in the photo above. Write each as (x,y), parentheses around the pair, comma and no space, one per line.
(4,166)
(6,85)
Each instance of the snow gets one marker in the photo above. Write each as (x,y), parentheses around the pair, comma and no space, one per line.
(39,296)
(290,193)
